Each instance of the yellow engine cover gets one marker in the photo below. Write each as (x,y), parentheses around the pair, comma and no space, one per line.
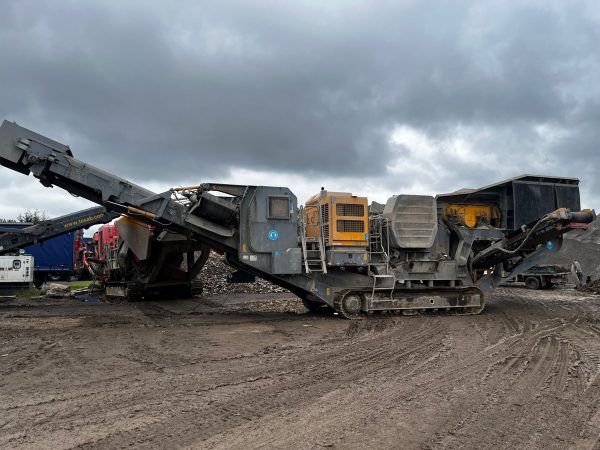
(343,218)
(472,216)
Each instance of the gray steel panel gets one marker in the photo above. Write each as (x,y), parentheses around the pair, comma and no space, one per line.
(287,262)
(347,257)
(567,197)
(137,237)
(532,201)
(10,133)
(525,177)
(412,220)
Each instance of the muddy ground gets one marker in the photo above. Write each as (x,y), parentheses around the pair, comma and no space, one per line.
(219,373)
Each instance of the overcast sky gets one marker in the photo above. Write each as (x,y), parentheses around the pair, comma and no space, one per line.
(372,97)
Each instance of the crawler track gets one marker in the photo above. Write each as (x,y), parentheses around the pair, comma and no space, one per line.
(355,305)
(216,374)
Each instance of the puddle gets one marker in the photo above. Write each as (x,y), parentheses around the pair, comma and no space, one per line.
(88,298)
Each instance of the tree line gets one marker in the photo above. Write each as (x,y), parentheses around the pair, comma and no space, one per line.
(30,216)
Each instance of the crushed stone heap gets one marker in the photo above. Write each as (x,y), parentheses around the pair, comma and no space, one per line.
(214,279)
(583,246)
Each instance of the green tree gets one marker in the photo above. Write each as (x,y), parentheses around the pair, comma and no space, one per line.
(32,216)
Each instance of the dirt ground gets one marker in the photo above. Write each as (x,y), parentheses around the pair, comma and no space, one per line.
(219,373)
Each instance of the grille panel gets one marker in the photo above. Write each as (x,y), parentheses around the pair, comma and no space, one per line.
(350,209)
(325,213)
(350,226)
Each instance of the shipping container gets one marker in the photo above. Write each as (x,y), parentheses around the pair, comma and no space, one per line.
(54,259)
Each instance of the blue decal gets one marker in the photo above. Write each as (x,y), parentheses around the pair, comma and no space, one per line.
(273,235)
(366,236)
(277,253)
(550,245)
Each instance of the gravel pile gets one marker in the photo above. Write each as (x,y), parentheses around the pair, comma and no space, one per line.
(293,305)
(55,290)
(593,287)
(214,279)
(584,246)
(590,236)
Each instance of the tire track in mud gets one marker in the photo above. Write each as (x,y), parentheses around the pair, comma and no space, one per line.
(541,371)
(507,377)
(374,392)
(526,364)
(30,359)
(548,356)
(560,369)
(298,383)
(543,354)
(357,359)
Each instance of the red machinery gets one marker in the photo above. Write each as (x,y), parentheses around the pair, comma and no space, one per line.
(120,250)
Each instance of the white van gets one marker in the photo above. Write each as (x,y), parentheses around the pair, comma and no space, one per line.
(16,271)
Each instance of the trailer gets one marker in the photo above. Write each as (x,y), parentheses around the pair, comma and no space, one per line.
(417,253)
(543,276)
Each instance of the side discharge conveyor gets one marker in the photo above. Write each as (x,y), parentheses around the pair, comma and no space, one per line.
(12,239)
(414,253)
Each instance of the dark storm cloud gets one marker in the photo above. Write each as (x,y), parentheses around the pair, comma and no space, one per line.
(207,91)
(190,90)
